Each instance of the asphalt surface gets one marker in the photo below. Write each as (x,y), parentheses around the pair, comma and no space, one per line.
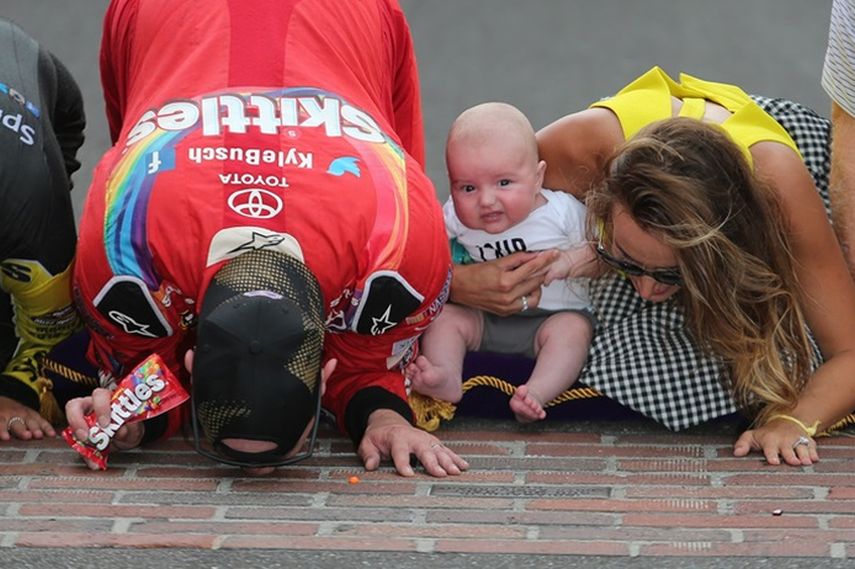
(196,559)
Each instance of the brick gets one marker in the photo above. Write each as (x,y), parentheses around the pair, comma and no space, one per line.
(842,522)
(695,479)
(19,524)
(677,505)
(337,487)
(69,539)
(743,464)
(536,547)
(536,518)
(784,549)
(115,511)
(347,459)
(461,447)
(225,528)
(153,458)
(46,443)
(832,466)
(12,456)
(525,491)
(420,502)
(318,543)
(799,534)
(55,497)
(102,483)
(536,463)
(367,514)
(702,521)
(632,534)
(664,464)
(49,470)
(783,476)
(666,440)
(473,476)
(468,448)
(431,531)
(530,436)
(382,474)
(125,458)
(799,506)
(218,498)
(592,450)
(225,473)
(717,493)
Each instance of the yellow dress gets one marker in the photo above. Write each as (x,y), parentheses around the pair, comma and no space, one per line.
(648,99)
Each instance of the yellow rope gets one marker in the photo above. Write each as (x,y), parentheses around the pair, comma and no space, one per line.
(844,422)
(49,408)
(509,389)
(489,381)
(68,373)
(429,412)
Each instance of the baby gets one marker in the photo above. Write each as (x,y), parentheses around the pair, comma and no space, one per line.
(497,207)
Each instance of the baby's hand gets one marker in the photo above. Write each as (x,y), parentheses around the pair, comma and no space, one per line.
(574,263)
(559,269)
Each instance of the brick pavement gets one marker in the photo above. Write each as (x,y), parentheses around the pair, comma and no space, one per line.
(629,490)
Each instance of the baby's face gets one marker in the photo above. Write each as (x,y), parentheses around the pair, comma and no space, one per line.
(494,186)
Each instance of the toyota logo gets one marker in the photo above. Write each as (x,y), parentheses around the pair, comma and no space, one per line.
(256,203)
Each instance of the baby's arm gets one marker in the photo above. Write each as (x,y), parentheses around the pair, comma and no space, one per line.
(574,263)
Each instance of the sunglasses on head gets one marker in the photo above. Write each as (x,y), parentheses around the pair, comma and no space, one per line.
(264,459)
(669,277)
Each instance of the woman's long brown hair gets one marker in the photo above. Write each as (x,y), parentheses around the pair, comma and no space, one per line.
(687,183)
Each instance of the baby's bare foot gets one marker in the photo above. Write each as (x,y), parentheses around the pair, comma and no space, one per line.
(525,405)
(423,374)
(432,380)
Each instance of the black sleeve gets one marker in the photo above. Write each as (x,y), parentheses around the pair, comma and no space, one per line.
(154,429)
(366,402)
(68,119)
(20,392)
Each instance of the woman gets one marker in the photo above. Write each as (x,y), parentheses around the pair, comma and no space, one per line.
(717,220)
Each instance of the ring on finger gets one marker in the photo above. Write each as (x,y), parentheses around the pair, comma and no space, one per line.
(435,445)
(802,440)
(15,419)
(524,300)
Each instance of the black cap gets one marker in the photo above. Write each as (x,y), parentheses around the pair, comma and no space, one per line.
(256,371)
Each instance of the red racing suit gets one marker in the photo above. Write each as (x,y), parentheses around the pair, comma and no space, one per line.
(287,125)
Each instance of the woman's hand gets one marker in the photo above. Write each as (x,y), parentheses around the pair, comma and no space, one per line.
(498,286)
(778,439)
(21,422)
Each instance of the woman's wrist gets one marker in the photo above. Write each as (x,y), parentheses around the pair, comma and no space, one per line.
(810,430)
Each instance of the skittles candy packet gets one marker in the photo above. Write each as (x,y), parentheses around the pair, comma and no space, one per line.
(149,390)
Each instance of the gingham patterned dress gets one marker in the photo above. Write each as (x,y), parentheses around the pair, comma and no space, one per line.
(642,355)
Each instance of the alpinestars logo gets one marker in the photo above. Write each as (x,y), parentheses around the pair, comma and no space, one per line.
(130,325)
